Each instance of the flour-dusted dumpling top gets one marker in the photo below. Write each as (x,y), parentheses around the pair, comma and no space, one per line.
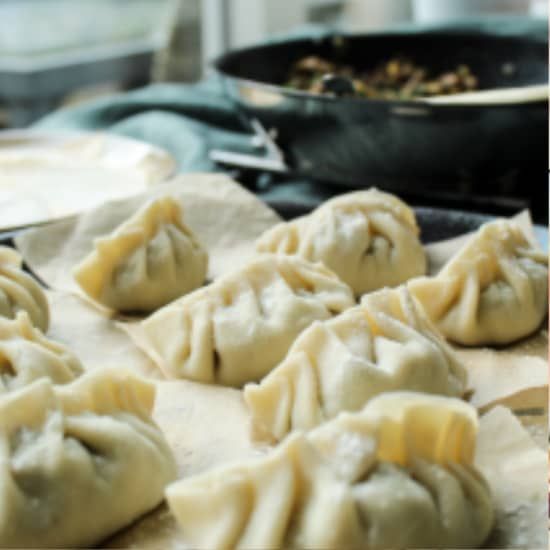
(399,474)
(20,292)
(26,355)
(238,328)
(385,344)
(493,291)
(368,238)
(79,462)
(149,260)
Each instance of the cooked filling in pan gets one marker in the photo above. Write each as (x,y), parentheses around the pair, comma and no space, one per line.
(399,78)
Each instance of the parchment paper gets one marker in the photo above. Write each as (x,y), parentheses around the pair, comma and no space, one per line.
(209,425)
(225,217)
(94,338)
(506,377)
(517,470)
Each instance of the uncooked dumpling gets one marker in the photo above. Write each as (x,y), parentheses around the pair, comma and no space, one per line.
(26,355)
(368,238)
(493,291)
(79,462)
(20,292)
(385,344)
(148,261)
(238,328)
(399,474)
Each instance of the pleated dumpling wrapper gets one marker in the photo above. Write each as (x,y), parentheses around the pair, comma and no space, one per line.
(398,474)
(20,292)
(385,344)
(79,462)
(368,238)
(238,328)
(493,291)
(26,355)
(149,260)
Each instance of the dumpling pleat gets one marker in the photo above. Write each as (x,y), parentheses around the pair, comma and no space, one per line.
(386,344)
(368,238)
(75,452)
(400,493)
(239,327)
(493,291)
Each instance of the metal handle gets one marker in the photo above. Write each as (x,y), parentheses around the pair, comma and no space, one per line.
(272,162)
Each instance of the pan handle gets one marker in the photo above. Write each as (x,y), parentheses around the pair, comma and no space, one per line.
(249,162)
(273,161)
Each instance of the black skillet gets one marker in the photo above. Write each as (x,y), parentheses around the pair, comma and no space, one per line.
(486,149)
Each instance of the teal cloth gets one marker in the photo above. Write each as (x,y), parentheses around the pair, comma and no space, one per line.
(185,119)
(189,120)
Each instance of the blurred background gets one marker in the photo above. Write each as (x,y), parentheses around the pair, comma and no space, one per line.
(61,52)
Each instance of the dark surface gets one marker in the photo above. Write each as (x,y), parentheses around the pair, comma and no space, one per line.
(404,146)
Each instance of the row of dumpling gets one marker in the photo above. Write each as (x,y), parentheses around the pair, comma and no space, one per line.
(286,319)
(93,441)
(292,322)
(26,354)
(348,479)
(355,457)
(72,445)
(357,464)
(240,327)
(89,449)
(494,291)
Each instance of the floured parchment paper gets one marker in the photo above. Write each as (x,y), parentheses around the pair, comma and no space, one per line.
(48,176)
(209,425)
(519,381)
(96,339)
(517,471)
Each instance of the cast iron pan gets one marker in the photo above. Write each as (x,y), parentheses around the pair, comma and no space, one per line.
(486,149)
